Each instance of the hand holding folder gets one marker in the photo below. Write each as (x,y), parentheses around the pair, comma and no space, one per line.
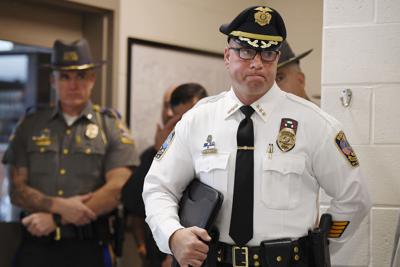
(199,206)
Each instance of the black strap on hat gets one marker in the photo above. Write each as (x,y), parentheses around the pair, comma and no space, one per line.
(241,228)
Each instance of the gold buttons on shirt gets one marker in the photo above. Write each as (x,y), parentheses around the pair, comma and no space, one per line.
(296,257)
(68,132)
(256,262)
(65,151)
(42,149)
(88,151)
(296,249)
(63,171)
(279,258)
(60,192)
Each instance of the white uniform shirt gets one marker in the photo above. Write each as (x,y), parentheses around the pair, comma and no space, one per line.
(286,184)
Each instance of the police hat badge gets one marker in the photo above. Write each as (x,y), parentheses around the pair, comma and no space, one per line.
(287,134)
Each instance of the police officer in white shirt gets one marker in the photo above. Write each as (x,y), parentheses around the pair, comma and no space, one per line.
(268,152)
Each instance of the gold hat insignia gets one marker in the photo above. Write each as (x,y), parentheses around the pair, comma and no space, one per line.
(262,17)
(70,56)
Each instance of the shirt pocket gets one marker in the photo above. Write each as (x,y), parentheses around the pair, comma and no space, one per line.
(212,170)
(42,158)
(281,181)
(89,157)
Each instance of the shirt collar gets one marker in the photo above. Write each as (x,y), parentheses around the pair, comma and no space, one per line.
(87,112)
(263,106)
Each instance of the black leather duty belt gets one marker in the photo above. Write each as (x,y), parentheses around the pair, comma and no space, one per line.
(98,230)
(271,253)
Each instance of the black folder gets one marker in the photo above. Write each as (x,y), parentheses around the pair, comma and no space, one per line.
(199,205)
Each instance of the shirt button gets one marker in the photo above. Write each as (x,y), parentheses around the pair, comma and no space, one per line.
(88,151)
(65,151)
(42,149)
(68,132)
(60,192)
(62,171)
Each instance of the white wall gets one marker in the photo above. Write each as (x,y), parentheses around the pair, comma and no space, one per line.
(361,51)
(195,24)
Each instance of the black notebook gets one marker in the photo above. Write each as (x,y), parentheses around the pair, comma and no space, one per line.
(199,205)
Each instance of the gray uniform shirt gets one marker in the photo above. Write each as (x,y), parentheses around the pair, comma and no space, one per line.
(71,160)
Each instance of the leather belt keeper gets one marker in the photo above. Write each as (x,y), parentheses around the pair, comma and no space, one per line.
(271,253)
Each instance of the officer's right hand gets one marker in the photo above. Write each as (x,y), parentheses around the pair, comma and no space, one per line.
(73,210)
(189,247)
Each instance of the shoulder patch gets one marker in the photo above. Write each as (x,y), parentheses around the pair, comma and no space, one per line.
(126,137)
(165,145)
(346,149)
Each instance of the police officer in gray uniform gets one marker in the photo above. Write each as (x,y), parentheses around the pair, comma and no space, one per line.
(269,153)
(68,165)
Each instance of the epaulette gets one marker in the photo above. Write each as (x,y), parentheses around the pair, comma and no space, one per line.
(312,106)
(210,99)
(111,112)
(33,109)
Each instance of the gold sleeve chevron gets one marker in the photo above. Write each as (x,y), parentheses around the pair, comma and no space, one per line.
(338,228)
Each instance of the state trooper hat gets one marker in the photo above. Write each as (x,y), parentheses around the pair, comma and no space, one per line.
(72,56)
(260,27)
(287,55)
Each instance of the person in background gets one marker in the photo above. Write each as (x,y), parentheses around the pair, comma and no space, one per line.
(289,77)
(268,152)
(176,101)
(68,165)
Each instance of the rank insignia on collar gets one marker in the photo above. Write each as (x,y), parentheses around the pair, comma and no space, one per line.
(209,146)
(92,130)
(287,134)
(346,149)
(165,145)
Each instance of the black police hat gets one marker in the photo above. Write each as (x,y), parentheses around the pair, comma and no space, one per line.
(72,56)
(260,27)
(287,56)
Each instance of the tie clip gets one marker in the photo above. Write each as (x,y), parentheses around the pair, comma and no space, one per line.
(245,147)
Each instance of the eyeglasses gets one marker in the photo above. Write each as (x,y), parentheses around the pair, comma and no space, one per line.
(250,53)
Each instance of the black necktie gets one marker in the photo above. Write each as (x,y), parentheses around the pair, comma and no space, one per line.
(241,228)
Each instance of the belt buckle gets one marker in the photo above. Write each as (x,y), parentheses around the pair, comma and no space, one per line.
(242,250)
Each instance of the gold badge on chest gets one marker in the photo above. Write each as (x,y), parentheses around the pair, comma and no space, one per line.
(287,134)
(92,130)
